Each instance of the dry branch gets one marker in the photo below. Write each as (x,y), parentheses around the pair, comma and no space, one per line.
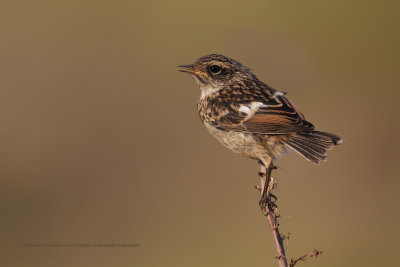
(270,211)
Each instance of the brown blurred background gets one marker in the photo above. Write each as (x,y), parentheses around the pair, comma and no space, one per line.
(101,142)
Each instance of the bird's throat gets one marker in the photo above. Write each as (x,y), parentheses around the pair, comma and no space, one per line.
(206,89)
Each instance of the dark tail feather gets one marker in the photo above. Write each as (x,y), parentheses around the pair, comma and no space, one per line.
(313,145)
(337,140)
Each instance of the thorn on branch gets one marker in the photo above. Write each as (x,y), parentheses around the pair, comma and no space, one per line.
(304,257)
(287,236)
(258,188)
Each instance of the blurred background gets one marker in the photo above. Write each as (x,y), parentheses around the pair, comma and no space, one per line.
(101,141)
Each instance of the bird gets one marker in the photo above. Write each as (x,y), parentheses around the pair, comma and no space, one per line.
(250,117)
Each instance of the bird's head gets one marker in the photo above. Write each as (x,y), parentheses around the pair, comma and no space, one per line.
(213,71)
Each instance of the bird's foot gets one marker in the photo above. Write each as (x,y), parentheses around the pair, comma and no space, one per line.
(267,205)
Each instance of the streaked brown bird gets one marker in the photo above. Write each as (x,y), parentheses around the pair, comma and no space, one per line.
(251,118)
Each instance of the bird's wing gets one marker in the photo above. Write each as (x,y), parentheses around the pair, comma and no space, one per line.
(276,115)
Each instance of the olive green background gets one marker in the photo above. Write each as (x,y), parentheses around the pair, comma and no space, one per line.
(101,142)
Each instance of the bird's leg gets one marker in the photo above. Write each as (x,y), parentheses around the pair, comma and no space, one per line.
(262,174)
(266,204)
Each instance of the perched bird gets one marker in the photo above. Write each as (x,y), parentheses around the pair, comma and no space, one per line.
(251,118)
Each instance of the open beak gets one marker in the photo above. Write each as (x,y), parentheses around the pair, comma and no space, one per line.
(190,69)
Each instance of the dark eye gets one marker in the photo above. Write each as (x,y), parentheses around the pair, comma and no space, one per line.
(215,69)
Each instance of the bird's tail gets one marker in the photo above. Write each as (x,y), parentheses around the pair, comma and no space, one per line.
(313,145)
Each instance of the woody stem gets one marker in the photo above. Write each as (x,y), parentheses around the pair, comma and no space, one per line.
(267,185)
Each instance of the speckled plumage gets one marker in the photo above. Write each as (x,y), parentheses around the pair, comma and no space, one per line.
(251,118)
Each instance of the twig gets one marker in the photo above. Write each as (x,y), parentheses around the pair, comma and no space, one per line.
(303,258)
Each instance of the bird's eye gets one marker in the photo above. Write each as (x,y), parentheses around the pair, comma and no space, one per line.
(215,69)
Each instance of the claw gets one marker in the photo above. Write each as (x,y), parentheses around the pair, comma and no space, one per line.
(264,207)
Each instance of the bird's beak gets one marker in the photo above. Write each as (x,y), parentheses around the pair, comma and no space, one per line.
(191,70)
(186,68)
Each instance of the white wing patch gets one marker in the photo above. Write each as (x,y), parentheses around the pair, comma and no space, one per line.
(244,109)
(251,108)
